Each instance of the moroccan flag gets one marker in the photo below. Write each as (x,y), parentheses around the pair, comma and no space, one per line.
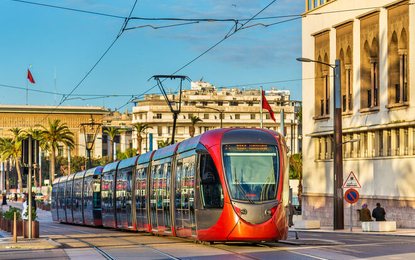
(266,106)
(30,77)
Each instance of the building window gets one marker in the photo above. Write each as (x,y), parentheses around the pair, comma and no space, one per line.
(398,85)
(206,129)
(104,138)
(233,103)
(220,103)
(250,104)
(205,116)
(267,116)
(158,116)
(322,75)
(237,116)
(204,103)
(405,141)
(389,142)
(159,130)
(253,116)
(369,67)
(189,116)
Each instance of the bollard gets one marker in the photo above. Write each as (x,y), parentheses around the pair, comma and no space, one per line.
(15,228)
(296,234)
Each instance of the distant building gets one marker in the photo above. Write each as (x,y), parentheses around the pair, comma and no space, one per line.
(24,117)
(372,41)
(238,108)
(123,140)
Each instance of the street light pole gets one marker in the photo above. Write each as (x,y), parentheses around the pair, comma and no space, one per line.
(218,110)
(338,211)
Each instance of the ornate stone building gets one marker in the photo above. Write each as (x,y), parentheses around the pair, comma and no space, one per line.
(371,40)
(25,117)
(229,108)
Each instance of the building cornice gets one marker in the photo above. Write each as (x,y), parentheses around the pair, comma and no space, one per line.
(364,128)
(368,14)
(395,3)
(344,23)
(320,32)
(53,110)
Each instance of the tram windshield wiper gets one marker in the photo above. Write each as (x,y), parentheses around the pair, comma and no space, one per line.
(241,189)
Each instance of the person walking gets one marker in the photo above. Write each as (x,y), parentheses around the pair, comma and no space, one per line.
(365,214)
(4,200)
(33,201)
(379,213)
(291,211)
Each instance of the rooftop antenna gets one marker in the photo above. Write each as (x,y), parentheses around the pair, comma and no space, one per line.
(175,111)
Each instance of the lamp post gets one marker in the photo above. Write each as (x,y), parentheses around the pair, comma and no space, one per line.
(90,131)
(338,214)
(218,110)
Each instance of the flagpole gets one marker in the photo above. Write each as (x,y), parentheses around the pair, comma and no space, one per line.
(261,103)
(27,91)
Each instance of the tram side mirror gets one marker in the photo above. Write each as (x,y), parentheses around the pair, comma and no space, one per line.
(201,149)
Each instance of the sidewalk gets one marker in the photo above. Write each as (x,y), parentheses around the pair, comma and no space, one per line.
(404,232)
(6,239)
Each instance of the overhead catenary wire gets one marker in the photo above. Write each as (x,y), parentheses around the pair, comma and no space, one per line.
(64,98)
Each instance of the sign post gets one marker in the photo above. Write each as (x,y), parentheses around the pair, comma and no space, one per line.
(351,196)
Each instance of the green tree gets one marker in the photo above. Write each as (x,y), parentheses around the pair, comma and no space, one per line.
(15,152)
(10,149)
(163,143)
(54,134)
(129,152)
(140,128)
(112,132)
(193,121)
(296,171)
(37,135)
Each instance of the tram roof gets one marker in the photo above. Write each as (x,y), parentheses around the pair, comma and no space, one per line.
(111,166)
(55,181)
(145,158)
(63,179)
(94,171)
(70,177)
(165,152)
(188,144)
(79,175)
(128,162)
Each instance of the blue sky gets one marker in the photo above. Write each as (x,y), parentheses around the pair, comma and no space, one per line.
(71,43)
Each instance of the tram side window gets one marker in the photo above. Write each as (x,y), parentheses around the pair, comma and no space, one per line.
(210,185)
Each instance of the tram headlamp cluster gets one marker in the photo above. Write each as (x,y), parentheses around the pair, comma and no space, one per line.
(271,211)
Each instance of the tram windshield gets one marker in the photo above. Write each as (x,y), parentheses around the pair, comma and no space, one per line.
(252,171)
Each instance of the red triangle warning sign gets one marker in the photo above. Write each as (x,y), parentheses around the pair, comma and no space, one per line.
(351,182)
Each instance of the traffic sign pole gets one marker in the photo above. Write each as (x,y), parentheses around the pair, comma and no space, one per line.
(351,217)
(351,196)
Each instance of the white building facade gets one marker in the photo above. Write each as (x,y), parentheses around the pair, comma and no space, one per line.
(371,39)
(238,108)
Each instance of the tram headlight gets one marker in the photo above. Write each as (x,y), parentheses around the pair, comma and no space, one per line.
(271,211)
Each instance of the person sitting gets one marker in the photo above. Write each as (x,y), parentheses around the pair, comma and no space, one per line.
(365,214)
(379,213)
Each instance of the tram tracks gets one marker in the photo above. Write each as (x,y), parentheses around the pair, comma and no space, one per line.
(234,251)
(99,249)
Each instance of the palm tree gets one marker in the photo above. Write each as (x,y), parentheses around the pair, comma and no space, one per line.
(15,152)
(140,128)
(56,133)
(194,120)
(43,144)
(11,149)
(163,143)
(112,132)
